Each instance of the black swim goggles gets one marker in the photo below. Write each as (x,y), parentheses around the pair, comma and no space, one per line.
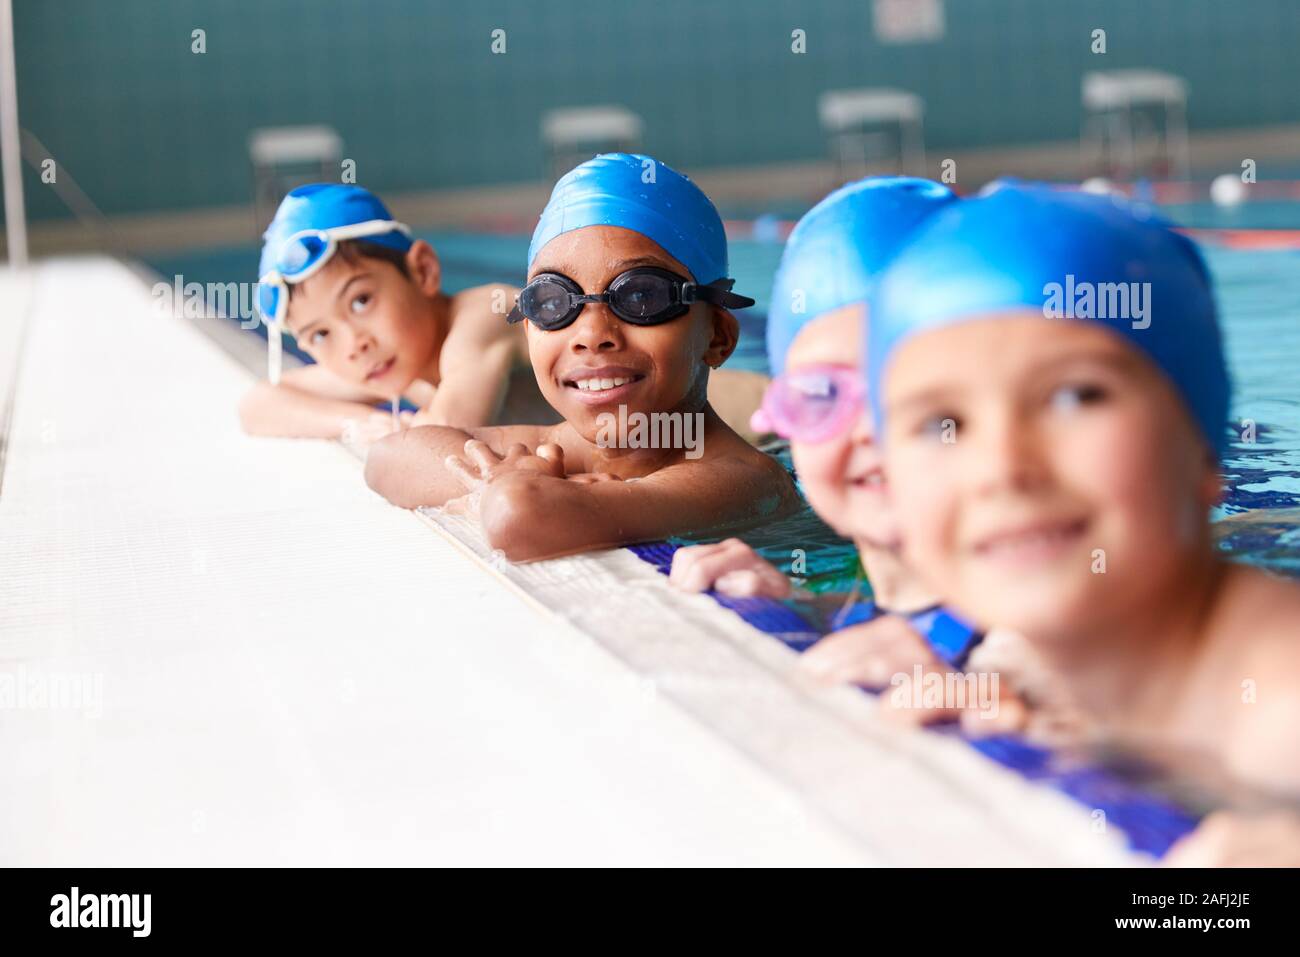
(645,296)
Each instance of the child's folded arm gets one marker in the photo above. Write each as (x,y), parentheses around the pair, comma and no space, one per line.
(472,395)
(409,468)
(308,403)
(270,410)
(730,567)
(530,516)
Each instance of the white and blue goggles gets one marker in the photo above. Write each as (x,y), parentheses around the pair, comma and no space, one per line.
(301,256)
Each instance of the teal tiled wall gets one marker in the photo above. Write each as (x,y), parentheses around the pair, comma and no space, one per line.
(113,90)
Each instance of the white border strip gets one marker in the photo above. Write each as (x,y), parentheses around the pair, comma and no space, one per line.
(908,797)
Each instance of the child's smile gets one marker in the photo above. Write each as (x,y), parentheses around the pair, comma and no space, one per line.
(843,476)
(365,322)
(1040,470)
(380,369)
(1029,543)
(600,362)
(602,385)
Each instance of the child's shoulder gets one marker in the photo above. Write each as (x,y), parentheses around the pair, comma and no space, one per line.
(1254,624)
(477,331)
(1260,610)
(483,309)
(1257,651)
(747,467)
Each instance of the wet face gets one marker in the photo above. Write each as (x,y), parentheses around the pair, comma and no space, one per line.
(843,476)
(368,324)
(1046,476)
(599,362)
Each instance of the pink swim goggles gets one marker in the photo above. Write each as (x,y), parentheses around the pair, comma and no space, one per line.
(812,403)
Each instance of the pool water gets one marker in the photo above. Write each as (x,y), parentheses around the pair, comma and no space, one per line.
(1259,300)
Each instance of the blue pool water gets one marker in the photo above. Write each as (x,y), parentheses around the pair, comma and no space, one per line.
(1259,299)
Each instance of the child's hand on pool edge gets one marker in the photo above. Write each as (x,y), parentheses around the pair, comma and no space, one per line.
(422,393)
(729,567)
(988,707)
(1233,839)
(480,465)
(869,654)
(887,653)
(363,431)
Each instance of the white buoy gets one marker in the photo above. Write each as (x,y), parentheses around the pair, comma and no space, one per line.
(1227,190)
(767,229)
(1098,185)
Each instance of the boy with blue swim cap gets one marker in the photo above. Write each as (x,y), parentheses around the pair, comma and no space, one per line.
(364,300)
(828,267)
(627,311)
(1050,375)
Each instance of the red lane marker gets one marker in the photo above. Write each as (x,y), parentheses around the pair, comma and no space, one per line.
(1263,239)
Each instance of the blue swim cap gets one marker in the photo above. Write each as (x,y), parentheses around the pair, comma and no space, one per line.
(316,218)
(326,206)
(1066,253)
(638,193)
(837,249)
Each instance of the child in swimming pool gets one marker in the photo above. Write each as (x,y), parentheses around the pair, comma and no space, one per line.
(365,301)
(816,401)
(1050,375)
(627,311)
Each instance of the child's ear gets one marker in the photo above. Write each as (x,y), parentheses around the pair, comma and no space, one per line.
(424,267)
(726,334)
